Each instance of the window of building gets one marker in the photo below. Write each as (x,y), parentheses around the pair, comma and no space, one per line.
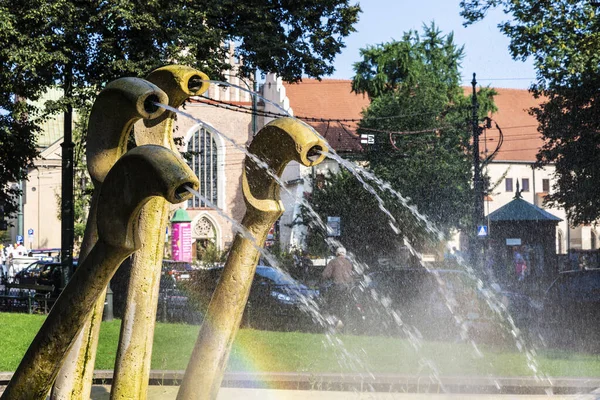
(546,185)
(202,159)
(508,184)
(525,183)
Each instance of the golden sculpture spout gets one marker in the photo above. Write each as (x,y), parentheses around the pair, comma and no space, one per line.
(277,144)
(141,174)
(132,365)
(116,109)
(128,213)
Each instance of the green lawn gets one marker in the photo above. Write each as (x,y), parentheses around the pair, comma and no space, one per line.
(275,351)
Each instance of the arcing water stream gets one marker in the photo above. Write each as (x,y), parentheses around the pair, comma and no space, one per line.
(312,307)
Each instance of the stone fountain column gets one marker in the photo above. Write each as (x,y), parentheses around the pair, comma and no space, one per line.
(132,367)
(144,172)
(278,143)
(128,214)
(116,109)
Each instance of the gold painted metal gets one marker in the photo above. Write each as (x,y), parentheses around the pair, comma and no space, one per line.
(132,367)
(120,104)
(278,143)
(142,173)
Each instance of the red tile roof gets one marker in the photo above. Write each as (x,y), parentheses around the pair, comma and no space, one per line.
(333,99)
(521,138)
(329,99)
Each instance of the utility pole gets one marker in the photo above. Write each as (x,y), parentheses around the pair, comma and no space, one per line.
(66,209)
(478,216)
(20,224)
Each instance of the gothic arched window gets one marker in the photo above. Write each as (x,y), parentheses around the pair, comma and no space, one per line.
(202,158)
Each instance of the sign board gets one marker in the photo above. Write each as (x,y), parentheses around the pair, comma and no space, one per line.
(428,257)
(513,241)
(367,139)
(19,239)
(181,241)
(482,230)
(334,226)
(30,232)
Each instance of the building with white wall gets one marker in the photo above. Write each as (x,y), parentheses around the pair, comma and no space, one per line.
(514,162)
(315,102)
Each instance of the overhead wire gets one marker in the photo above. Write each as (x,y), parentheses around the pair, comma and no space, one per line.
(489,158)
(342,122)
(234,107)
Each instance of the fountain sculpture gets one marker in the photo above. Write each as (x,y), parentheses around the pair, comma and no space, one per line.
(128,215)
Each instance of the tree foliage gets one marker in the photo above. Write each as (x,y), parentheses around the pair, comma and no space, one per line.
(17,150)
(81,45)
(400,66)
(563,39)
(419,116)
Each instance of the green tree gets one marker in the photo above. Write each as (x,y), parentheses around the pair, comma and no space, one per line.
(419,118)
(17,151)
(81,45)
(364,229)
(563,39)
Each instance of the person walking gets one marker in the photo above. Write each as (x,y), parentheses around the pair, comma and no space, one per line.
(520,265)
(340,271)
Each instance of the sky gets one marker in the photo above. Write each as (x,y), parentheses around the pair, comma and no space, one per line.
(485,48)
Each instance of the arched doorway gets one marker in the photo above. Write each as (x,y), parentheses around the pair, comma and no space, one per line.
(206,234)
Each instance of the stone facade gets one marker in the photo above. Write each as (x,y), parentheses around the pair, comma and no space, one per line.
(231,132)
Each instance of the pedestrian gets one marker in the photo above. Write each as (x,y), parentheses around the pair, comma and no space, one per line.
(20,250)
(520,265)
(10,251)
(340,271)
(304,265)
(3,269)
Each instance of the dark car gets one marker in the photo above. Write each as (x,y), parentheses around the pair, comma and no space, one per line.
(571,307)
(174,305)
(276,301)
(178,269)
(438,304)
(40,273)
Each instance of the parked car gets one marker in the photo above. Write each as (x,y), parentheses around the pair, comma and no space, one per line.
(276,300)
(18,264)
(174,305)
(571,308)
(180,270)
(440,304)
(523,309)
(41,273)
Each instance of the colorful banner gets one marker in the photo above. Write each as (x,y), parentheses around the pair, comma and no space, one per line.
(181,242)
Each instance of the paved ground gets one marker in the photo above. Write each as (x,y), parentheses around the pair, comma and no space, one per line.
(170,392)
(101,392)
(242,385)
